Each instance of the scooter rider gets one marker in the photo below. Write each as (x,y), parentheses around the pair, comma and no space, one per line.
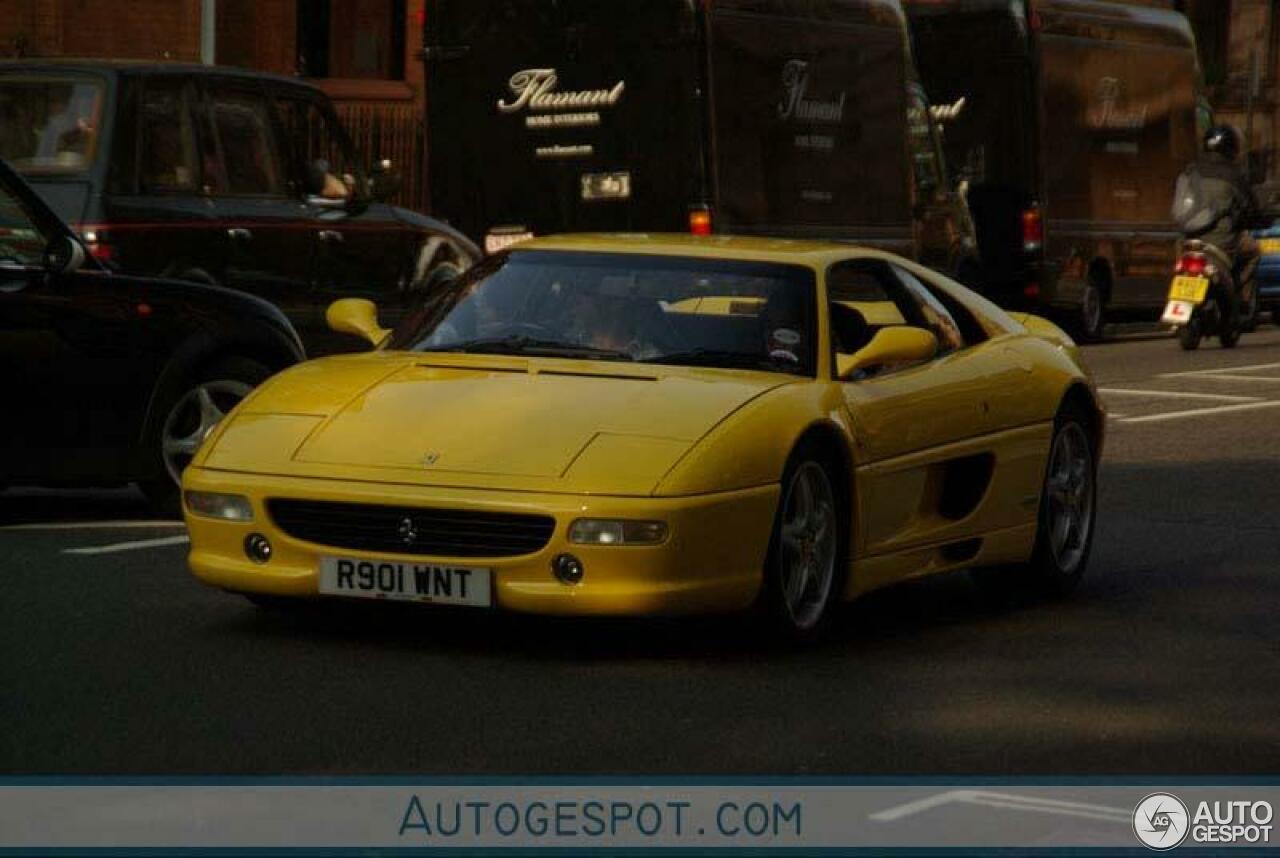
(1226,191)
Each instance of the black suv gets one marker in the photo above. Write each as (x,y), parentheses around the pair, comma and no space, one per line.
(110,378)
(224,177)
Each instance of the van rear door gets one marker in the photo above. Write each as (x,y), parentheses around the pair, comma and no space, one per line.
(573,115)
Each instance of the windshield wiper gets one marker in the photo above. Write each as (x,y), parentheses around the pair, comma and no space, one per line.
(727,359)
(532,346)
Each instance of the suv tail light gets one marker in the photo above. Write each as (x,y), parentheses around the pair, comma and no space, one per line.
(1032,229)
(97,243)
(700,220)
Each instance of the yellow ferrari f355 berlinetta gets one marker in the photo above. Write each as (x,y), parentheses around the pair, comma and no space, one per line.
(650,424)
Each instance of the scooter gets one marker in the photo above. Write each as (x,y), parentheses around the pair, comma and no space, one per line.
(1203,300)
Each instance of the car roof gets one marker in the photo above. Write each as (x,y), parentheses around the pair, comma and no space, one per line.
(815,254)
(148,67)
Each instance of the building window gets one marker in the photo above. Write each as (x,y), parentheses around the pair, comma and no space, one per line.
(352,39)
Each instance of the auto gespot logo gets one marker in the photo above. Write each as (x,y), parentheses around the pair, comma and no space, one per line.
(1161,821)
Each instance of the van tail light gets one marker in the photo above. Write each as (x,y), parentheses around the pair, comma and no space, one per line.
(1194,264)
(97,243)
(700,220)
(1032,229)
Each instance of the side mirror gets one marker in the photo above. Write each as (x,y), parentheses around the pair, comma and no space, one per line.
(356,316)
(384,182)
(63,255)
(898,344)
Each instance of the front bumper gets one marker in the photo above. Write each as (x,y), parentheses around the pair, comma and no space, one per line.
(713,558)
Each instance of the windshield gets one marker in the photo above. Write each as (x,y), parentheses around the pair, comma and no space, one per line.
(624,307)
(49,125)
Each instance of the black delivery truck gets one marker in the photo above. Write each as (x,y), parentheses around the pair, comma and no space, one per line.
(770,117)
(1069,121)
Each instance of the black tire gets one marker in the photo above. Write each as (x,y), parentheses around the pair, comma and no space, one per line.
(226,381)
(800,608)
(1055,569)
(1092,315)
(1190,334)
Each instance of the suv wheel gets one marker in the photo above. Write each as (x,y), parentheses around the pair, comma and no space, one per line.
(189,417)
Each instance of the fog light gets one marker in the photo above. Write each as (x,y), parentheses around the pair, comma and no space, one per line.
(257,547)
(568,568)
(218,505)
(604,531)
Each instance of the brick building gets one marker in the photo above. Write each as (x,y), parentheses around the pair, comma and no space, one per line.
(364,54)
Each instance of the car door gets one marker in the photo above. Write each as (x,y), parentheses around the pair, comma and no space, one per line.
(267,226)
(360,248)
(929,434)
(76,379)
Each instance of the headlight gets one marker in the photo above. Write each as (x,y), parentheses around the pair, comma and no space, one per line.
(216,505)
(605,531)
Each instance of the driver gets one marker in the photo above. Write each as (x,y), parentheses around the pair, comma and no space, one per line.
(614,318)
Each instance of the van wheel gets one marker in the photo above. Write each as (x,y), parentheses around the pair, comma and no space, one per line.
(189,416)
(1093,312)
(803,571)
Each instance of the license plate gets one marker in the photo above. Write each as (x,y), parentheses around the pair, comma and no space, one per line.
(1269,245)
(1177,312)
(436,583)
(495,241)
(1185,288)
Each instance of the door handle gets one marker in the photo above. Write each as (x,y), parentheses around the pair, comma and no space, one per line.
(331,236)
(239,233)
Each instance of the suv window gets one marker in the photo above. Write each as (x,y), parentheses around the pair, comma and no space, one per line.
(20,240)
(49,125)
(318,145)
(249,160)
(167,149)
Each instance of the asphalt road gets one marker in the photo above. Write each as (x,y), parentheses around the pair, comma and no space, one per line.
(1166,660)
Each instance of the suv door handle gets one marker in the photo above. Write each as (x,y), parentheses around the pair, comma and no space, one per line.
(239,233)
(331,236)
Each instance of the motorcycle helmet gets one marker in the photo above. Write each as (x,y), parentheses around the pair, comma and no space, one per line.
(1223,139)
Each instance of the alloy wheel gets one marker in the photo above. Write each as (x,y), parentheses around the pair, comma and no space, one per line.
(809,541)
(193,417)
(1069,497)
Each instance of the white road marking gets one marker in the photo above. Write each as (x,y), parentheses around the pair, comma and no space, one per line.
(1031,804)
(1201,412)
(1220,370)
(1222,376)
(1176,394)
(130,546)
(93,525)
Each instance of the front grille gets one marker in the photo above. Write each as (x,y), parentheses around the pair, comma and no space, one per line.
(412,530)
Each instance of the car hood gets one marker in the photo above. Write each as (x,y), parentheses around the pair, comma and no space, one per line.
(483,422)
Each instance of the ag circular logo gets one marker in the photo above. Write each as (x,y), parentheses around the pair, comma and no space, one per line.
(1160,821)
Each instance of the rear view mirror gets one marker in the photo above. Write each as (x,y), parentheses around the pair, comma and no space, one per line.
(899,344)
(356,316)
(63,255)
